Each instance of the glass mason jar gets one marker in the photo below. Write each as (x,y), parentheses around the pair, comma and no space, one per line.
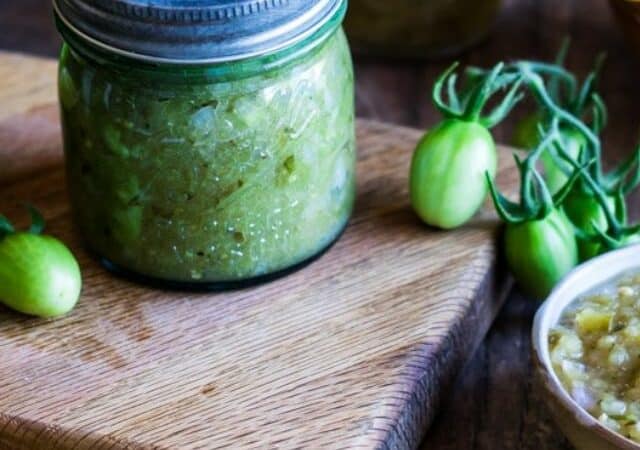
(215,173)
(418,28)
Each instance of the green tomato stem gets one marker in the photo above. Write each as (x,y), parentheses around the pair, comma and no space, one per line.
(509,102)
(621,207)
(438,101)
(614,226)
(37,221)
(562,193)
(6,227)
(554,82)
(452,94)
(600,114)
(508,211)
(589,86)
(481,94)
(536,84)
(544,196)
(632,166)
(530,201)
(36,227)
(554,71)
(480,86)
(536,200)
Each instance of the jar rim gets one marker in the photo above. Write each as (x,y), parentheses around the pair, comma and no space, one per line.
(202,46)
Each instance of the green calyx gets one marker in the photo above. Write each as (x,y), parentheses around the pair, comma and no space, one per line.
(617,232)
(569,210)
(479,88)
(5,227)
(572,110)
(587,93)
(537,87)
(563,87)
(620,181)
(626,177)
(536,200)
(36,227)
(570,118)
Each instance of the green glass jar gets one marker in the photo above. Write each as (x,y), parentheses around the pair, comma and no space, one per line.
(209,174)
(418,28)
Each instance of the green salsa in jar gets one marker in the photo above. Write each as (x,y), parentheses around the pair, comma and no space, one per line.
(418,28)
(210,173)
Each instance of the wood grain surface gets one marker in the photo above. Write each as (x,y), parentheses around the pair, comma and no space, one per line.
(493,406)
(29,123)
(354,351)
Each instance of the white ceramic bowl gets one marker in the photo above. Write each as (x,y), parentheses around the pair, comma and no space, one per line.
(583,430)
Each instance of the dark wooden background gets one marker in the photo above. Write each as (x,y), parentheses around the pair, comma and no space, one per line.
(494,405)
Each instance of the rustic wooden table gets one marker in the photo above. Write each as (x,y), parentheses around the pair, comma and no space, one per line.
(493,405)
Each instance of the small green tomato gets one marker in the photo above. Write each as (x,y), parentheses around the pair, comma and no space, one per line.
(38,274)
(583,210)
(554,170)
(447,181)
(526,135)
(540,252)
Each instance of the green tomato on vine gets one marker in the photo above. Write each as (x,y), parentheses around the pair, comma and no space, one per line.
(447,177)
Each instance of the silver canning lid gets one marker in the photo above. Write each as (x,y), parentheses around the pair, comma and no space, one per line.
(194,31)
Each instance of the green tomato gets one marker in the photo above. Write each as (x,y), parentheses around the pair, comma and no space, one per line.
(38,275)
(525,135)
(447,181)
(574,142)
(583,210)
(540,252)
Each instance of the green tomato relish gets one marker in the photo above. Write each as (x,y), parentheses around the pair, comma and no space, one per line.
(595,351)
(210,174)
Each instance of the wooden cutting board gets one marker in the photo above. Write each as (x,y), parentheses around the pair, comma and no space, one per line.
(354,351)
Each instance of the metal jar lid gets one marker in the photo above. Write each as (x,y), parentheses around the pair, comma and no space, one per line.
(194,31)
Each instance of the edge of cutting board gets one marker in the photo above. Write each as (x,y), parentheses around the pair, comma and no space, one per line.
(33,106)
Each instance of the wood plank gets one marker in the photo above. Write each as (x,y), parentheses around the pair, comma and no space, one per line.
(29,121)
(526,28)
(354,351)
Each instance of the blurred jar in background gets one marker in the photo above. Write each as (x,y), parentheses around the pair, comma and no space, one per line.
(418,28)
